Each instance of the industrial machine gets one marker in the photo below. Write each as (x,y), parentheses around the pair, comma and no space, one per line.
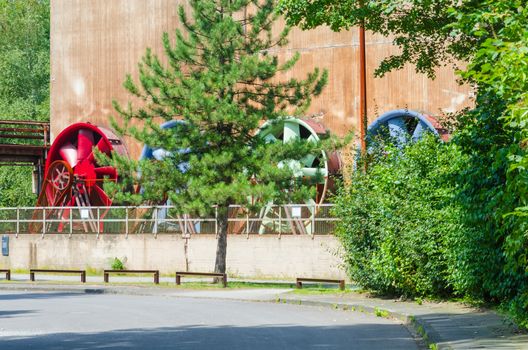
(73,177)
(318,170)
(403,126)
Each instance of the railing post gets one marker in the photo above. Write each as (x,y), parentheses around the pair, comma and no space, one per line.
(18,221)
(247,224)
(126,222)
(98,222)
(280,221)
(313,221)
(43,221)
(155,230)
(216,222)
(184,226)
(70,218)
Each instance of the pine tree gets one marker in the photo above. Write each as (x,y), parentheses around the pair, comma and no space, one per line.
(221,78)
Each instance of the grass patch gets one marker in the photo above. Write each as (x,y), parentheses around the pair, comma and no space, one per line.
(323,289)
(236,285)
(381,313)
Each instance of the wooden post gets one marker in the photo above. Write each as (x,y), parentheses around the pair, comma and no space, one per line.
(342,284)
(298,283)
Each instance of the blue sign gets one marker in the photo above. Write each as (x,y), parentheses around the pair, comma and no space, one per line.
(5,245)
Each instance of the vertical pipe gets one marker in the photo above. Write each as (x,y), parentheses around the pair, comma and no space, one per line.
(362,89)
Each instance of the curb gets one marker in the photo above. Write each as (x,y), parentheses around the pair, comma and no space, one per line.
(420,327)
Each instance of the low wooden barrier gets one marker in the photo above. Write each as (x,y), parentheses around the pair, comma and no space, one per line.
(300,280)
(223,276)
(154,272)
(33,271)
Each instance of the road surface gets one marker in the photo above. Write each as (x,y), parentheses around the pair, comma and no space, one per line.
(65,320)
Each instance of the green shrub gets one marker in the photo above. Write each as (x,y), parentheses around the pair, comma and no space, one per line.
(439,219)
(398,219)
(117,264)
(492,256)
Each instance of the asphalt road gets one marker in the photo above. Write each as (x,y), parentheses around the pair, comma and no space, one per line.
(55,320)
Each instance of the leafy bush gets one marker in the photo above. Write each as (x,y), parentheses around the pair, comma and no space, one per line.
(117,264)
(16,187)
(492,255)
(438,219)
(24,82)
(398,219)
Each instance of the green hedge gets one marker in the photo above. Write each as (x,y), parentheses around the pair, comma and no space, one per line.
(399,217)
(443,219)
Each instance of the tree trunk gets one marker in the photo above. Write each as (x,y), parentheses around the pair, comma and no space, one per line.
(221,246)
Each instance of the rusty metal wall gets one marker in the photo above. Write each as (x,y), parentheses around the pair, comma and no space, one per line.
(95,43)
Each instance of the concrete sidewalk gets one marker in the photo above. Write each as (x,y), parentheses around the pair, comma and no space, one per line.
(442,325)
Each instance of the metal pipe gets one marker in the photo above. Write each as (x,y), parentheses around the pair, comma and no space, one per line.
(362,89)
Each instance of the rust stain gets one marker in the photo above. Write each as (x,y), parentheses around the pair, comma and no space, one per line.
(95,43)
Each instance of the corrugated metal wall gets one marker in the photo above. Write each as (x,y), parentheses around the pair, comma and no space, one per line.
(95,43)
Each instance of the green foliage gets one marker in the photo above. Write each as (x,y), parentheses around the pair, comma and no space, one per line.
(222,78)
(16,187)
(421,29)
(428,33)
(491,36)
(24,59)
(491,254)
(398,219)
(117,264)
(24,82)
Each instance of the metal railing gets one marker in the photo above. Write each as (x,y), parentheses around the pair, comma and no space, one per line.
(272,219)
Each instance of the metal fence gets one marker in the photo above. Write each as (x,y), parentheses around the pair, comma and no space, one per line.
(271,219)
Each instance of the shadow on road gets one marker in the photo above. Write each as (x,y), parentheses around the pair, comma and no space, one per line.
(14,313)
(33,296)
(373,336)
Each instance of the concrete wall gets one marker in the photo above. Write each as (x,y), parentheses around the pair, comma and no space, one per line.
(254,257)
